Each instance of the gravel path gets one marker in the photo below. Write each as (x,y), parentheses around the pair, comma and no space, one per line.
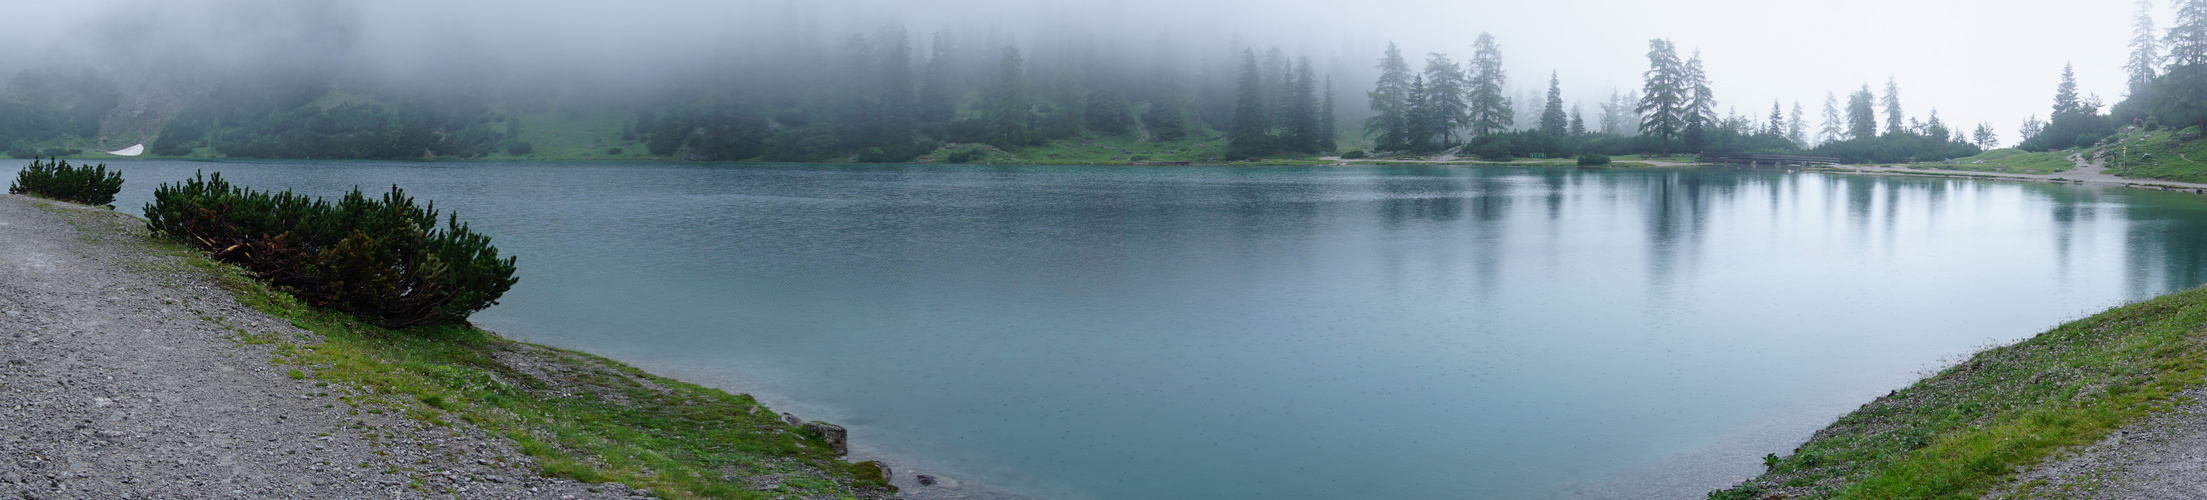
(2161,457)
(124,374)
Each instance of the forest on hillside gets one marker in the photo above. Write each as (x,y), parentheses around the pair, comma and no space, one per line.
(889,95)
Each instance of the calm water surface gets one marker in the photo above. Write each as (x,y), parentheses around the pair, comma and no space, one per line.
(1384,332)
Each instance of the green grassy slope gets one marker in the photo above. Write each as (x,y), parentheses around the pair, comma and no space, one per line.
(1968,428)
(2158,154)
(2008,160)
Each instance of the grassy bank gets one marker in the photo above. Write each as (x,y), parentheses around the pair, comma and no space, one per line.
(2008,160)
(2157,154)
(1966,429)
(575,415)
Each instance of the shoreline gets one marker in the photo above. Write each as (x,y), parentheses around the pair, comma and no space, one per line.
(488,417)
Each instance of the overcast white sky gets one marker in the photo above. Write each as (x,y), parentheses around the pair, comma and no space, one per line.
(1973,60)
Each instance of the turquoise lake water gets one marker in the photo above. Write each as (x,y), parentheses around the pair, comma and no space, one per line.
(1361,332)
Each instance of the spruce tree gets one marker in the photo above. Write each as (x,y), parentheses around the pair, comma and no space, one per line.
(2065,94)
(1552,119)
(1701,104)
(2145,49)
(938,95)
(1011,118)
(1389,125)
(1833,129)
(1247,139)
(1445,89)
(900,106)
(1861,115)
(1326,132)
(1422,122)
(1935,128)
(1578,121)
(1613,114)
(1777,124)
(1299,131)
(1491,111)
(1664,95)
(1893,116)
(1797,127)
(2187,41)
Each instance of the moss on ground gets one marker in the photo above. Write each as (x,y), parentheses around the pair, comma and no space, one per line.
(2008,160)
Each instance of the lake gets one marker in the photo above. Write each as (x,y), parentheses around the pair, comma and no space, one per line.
(1329,332)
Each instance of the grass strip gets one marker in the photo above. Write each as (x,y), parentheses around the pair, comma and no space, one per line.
(1965,430)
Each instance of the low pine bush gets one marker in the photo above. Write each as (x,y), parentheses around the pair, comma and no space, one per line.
(383,258)
(1593,159)
(56,179)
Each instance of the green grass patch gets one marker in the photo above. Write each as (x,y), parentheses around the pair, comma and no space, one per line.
(1963,431)
(2007,160)
(2158,154)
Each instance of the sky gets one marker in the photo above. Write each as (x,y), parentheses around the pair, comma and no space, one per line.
(1972,60)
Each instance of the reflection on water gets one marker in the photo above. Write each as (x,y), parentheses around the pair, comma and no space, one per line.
(1382,332)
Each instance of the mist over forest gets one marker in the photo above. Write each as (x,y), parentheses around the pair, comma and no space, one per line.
(892,82)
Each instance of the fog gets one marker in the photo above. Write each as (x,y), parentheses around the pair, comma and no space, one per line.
(1983,60)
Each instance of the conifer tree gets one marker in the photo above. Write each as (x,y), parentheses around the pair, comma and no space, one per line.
(1861,116)
(1491,111)
(1300,132)
(2145,49)
(1833,129)
(1985,137)
(900,107)
(1578,121)
(1421,119)
(1326,133)
(1613,114)
(2031,127)
(1893,116)
(1796,127)
(938,95)
(1389,125)
(1011,119)
(2065,94)
(1247,139)
(2187,41)
(1701,104)
(1445,88)
(1552,119)
(1936,129)
(1664,96)
(1777,124)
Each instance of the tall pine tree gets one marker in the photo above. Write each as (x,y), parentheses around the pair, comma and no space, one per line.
(1701,104)
(2065,95)
(1389,125)
(1423,124)
(1247,138)
(939,88)
(1861,114)
(1011,117)
(1299,130)
(1893,116)
(1445,90)
(1777,124)
(1833,129)
(1664,95)
(1326,132)
(1797,127)
(900,107)
(2187,41)
(1552,119)
(1490,106)
(2145,49)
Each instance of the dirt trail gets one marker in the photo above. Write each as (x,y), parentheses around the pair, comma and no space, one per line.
(123,374)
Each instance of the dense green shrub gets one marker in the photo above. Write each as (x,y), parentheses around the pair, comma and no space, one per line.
(1593,160)
(90,185)
(1353,154)
(381,258)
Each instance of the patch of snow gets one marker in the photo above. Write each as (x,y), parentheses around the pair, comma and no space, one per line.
(133,150)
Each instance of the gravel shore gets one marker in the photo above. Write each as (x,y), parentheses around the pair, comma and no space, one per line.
(125,373)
